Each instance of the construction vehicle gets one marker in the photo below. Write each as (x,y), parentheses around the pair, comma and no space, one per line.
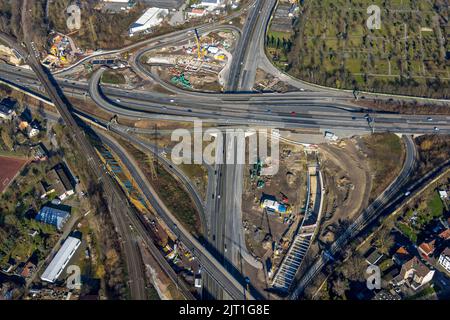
(256,171)
(89,67)
(200,53)
(260,184)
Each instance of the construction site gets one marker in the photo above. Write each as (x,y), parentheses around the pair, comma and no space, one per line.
(287,264)
(62,51)
(199,64)
(282,213)
(274,206)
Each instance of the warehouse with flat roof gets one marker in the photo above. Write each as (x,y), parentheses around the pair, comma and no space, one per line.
(60,261)
(54,216)
(165,4)
(151,18)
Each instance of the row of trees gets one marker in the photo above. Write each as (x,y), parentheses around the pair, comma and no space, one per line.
(276,42)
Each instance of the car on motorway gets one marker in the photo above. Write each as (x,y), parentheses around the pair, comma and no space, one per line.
(429,119)
(436,129)
(407,193)
(293,113)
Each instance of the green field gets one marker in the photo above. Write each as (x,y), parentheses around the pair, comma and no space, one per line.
(110,77)
(407,55)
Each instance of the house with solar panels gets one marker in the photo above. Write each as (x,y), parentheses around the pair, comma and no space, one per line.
(55,216)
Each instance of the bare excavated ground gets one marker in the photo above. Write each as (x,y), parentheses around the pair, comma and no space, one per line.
(267,82)
(355,171)
(262,229)
(347,183)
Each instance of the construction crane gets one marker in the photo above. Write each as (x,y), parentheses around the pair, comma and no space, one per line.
(199,47)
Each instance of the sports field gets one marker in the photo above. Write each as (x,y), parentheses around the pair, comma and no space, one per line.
(9,168)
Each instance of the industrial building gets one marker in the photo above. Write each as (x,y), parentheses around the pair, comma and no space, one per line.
(114,6)
(273,206)
(151,18)
(54,216)
(58,181)
(60,261)
(444,259)
(165,4)
(212,4)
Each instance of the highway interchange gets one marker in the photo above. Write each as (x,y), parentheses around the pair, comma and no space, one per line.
(319,109)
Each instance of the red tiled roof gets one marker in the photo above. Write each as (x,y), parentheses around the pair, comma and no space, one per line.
(445,234)
(402,250)
(27,270)
(427,248)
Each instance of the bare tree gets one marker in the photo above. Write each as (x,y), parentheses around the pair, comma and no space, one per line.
(383,240)
(354,268)
(339,287)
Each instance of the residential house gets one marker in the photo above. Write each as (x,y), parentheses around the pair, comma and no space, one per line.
(196,12)
(443,194)
(42,189)
(444,259)
(28,270)
(374,258)
(445,235)
(7,109)
(427,248)
(32,130)
(414,273)
(40,153)
(401,256)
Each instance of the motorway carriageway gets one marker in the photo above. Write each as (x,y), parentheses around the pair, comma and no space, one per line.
(250,111)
